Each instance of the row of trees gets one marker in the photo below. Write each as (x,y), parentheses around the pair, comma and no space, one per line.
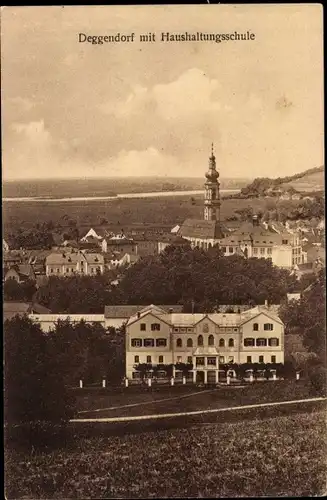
(78,294)
(40,367)
(180,275)
(198,280)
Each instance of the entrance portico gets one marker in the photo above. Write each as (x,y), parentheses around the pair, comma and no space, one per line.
(205,365)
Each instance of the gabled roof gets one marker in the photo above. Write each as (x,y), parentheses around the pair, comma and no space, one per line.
(202,229)
(256,311)
(126,311)
(151,312)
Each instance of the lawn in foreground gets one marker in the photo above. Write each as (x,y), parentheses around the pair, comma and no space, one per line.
(280,456)
(191,399)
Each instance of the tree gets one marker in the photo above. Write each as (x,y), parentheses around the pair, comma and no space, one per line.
(34,387)
(13,290)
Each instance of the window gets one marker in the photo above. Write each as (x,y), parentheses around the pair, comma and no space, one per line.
(249,359)
(143,327)
(205,328)
(273,359)
(211,340)
(67,269)
(161,343)
(268,326)
(223,249)
(255,251)
(230,249)
(261,342)
(200,340)
(284,242)
(189,343)
(179,343)
(231,343)
(179,359)
(262,251)
(148,359)
(248,342)
(190,330)
(148,342)
(199,361)
(136,342)
(51,270)
(261,359)
(58,270)
(183,330)
(212,361)
(221,343)
(221,359)
(189,360)
(273,342)
(155,327)
(264,242)
(230,359)
(269,251)
(255,327)
(176,330)
(136,359)
(235,329)
(161,359)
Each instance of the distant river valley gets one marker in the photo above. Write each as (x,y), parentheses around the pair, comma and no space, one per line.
(154,194)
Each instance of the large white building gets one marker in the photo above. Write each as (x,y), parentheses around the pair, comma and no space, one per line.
(156,337)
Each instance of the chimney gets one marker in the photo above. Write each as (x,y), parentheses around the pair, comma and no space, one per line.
(138,314)
(170,310)
(266,303)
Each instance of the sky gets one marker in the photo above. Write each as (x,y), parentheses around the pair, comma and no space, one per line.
(73,109)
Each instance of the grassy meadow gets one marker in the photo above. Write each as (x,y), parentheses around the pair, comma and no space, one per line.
(276,456)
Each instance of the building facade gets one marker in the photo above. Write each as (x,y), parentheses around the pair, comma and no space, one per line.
(71,262)
(254,239)
(203,340)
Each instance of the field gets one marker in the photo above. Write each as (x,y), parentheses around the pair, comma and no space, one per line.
(278,456)
(121,212)
(55,188)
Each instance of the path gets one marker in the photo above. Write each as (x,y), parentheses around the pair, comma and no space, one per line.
(199,412)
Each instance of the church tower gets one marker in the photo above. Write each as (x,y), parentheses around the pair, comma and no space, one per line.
(211,193)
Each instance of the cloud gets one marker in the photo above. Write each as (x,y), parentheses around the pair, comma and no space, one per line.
(149,162)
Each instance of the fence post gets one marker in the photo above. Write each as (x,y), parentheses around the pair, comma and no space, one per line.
(81,384)
(149,382)
(184,380)
(172,381)
(228,379)
(251,377)
(297,375)
(274,375)
(126,382)
(104,383)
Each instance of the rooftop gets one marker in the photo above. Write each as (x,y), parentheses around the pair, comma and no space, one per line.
(202,229)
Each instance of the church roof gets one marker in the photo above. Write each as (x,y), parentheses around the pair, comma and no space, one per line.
(202,229)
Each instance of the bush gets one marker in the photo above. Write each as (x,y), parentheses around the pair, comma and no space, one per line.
(318,379)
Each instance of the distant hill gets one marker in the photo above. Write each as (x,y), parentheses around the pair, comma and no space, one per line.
(309,180)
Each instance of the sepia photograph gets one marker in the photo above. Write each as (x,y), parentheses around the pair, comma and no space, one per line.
(163,208)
